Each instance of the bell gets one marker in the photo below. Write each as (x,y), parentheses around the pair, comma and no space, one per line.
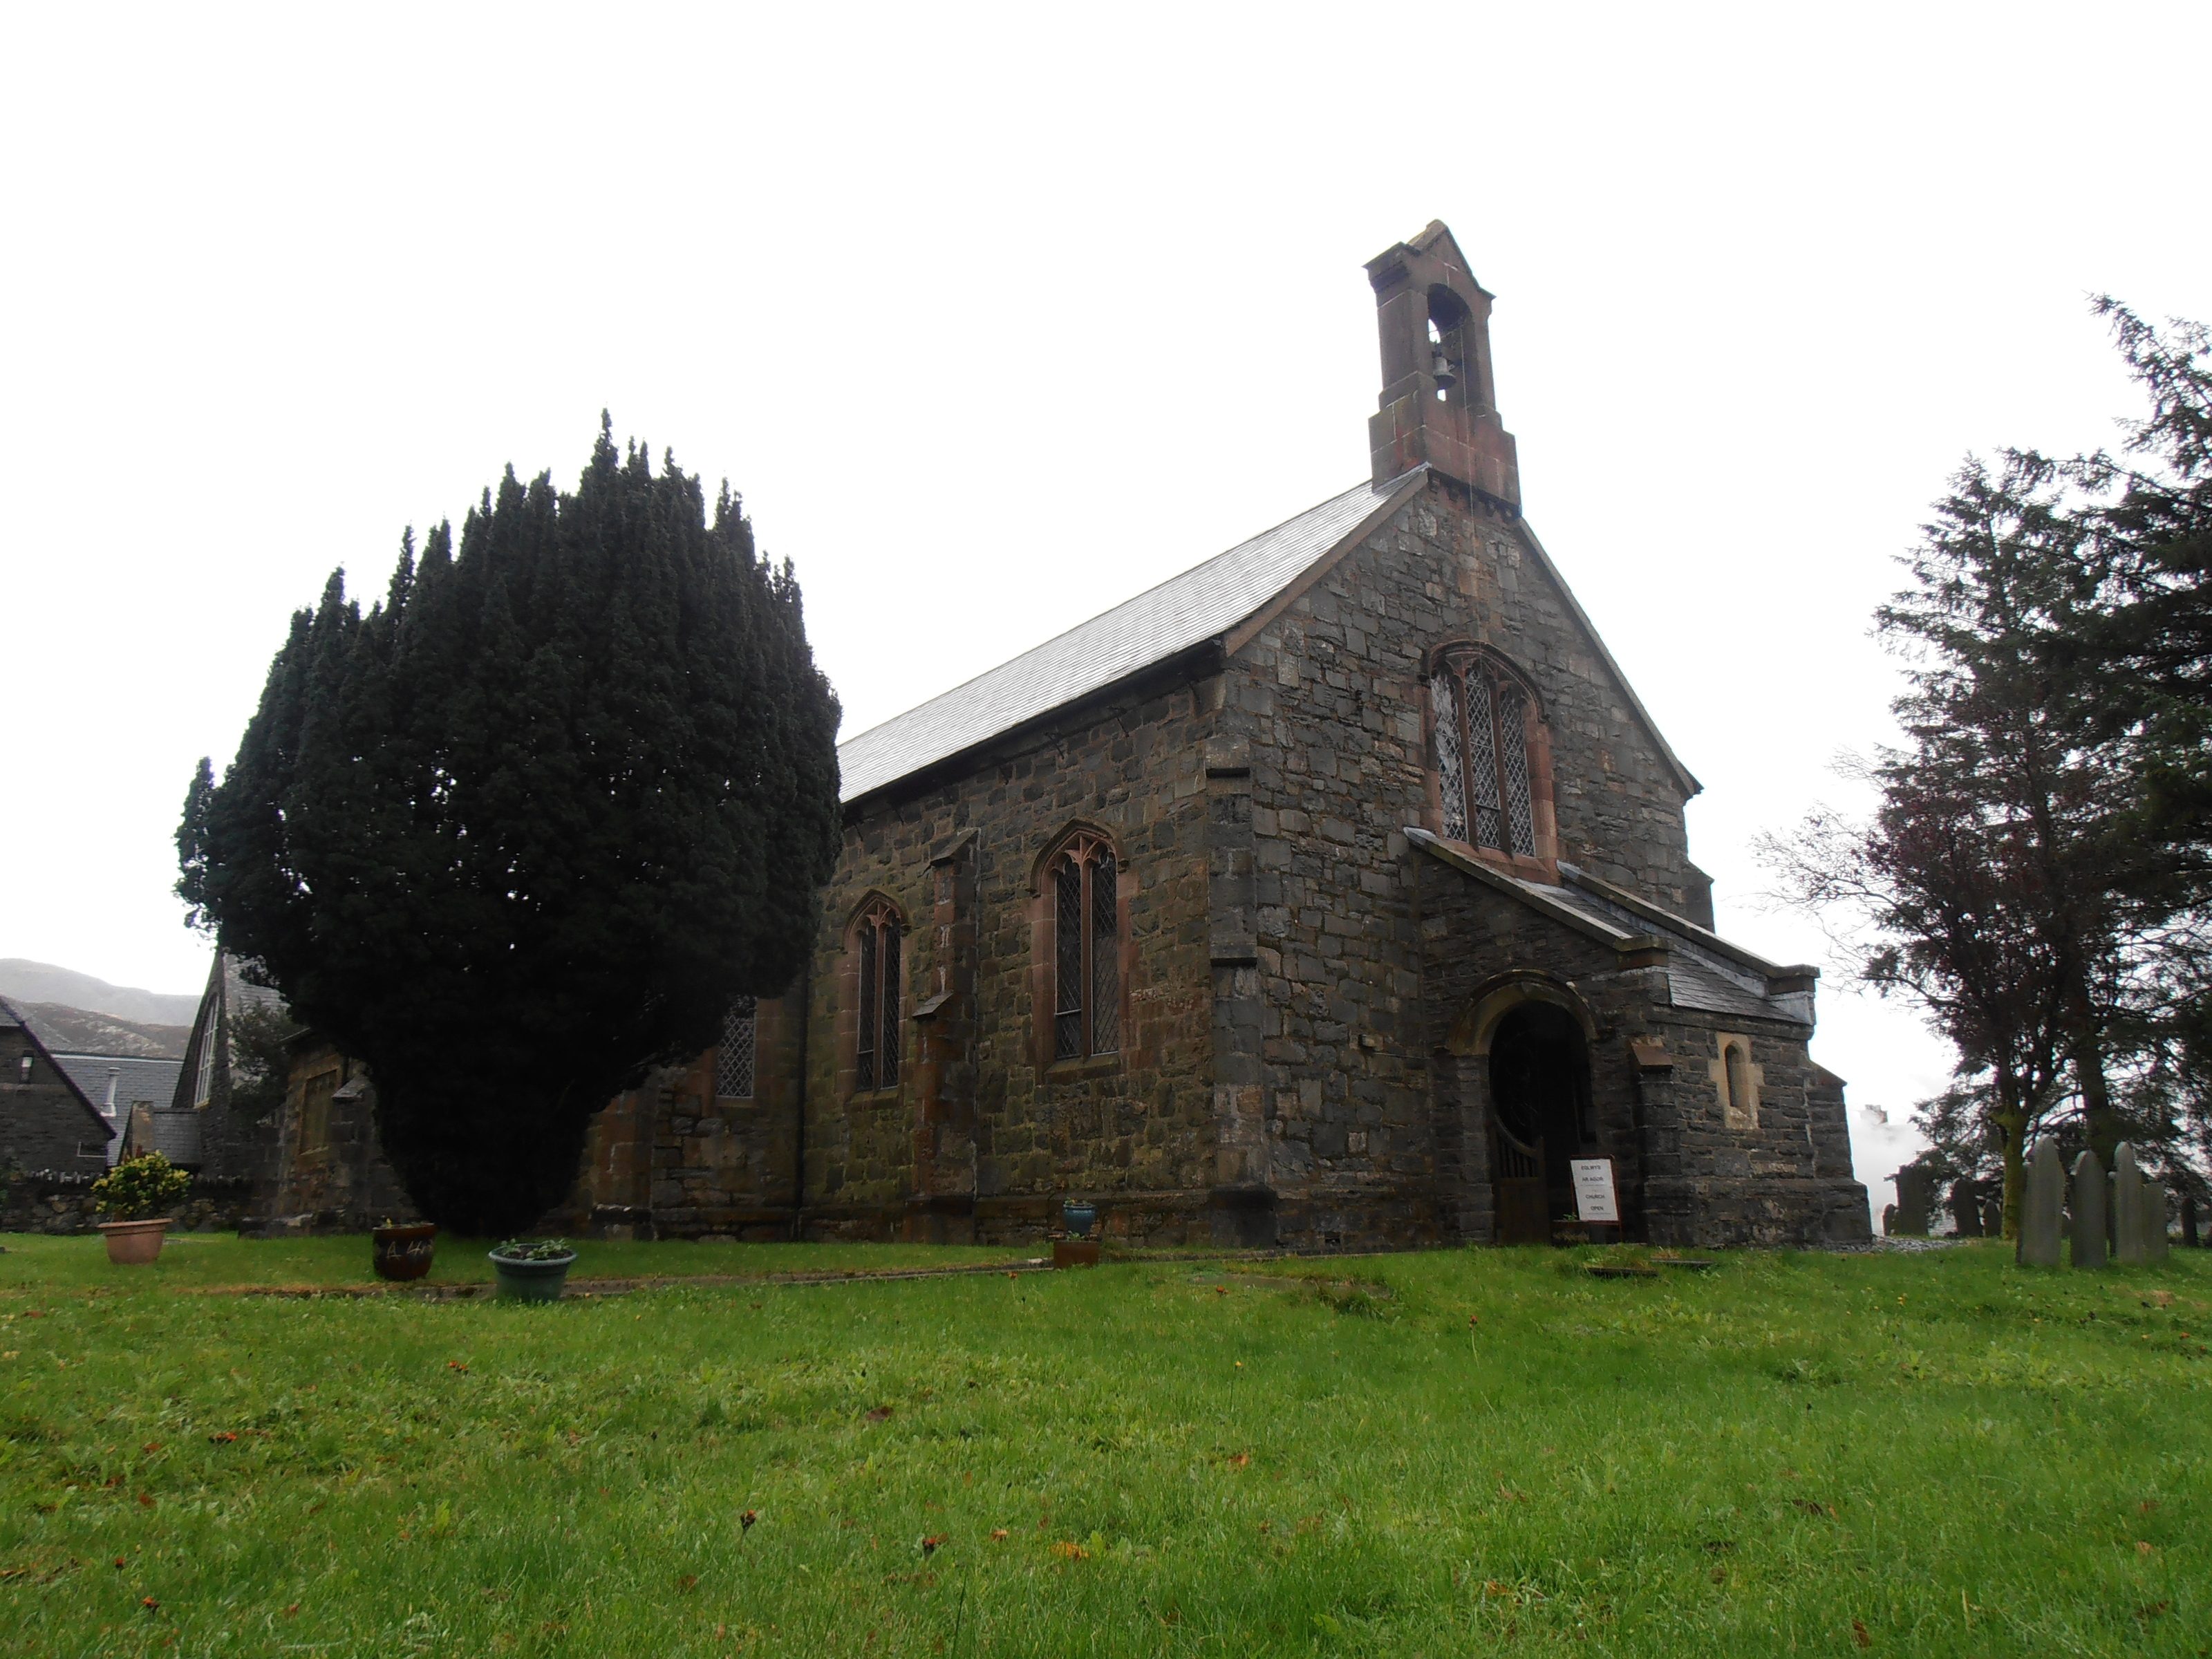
(1442,372)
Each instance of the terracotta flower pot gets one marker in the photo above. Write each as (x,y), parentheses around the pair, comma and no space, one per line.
(134,1243)
(403,1251)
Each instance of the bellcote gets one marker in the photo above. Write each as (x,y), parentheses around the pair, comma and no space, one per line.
(1439,402)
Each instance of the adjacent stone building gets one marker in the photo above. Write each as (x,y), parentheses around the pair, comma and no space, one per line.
(48,1123)
(1336,890)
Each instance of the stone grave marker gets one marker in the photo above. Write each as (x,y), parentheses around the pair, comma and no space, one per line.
(1965,1208)
(2092,1201)
(2042,1199)
(2130,1247)
(1915,1200)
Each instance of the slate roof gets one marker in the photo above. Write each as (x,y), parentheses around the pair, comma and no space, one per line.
(175,1135)
(1703,971)
(1696,977)
(152,1080)
(1202,603)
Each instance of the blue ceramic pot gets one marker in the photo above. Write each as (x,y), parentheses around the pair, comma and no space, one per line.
(532,1281)
(1078,1218)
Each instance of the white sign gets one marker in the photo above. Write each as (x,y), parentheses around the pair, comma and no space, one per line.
(1594,1200)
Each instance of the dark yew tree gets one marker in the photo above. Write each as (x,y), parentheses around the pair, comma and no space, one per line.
(526,828)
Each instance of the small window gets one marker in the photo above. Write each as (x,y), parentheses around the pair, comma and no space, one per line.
(1736,1081)
(1484,772)
(23,1067)
(875,1041)
(733,1059)
(1086,915)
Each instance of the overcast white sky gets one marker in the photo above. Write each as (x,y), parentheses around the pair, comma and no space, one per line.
(996,317)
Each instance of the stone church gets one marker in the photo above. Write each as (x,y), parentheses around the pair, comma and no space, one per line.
(1335,891)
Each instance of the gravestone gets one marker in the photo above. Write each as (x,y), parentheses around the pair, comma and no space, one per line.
(1965,1209)
(2154,1242)
(2130,1247)
(2092,1203)
(1915,1200)
(2042,1196)
(1993,1217)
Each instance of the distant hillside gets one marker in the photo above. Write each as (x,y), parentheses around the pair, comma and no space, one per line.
(22,982)
(74,1031)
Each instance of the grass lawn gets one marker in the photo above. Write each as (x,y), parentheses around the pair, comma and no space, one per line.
(223,1261)
(1905,1455)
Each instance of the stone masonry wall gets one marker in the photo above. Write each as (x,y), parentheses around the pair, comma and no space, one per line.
(1133,1130)
(1787,1181)
(1470,935)
(43,1125)
(1331,697)
(329,1173)
(1685,1174)
(51,1201)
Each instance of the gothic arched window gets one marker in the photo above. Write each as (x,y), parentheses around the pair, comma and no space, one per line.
(1083,888)
(876,1039)
(1483,764)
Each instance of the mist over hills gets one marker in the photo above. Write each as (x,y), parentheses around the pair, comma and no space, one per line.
(72,1030)
(23,981)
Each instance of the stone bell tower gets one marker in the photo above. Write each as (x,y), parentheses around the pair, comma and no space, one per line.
(1439,404)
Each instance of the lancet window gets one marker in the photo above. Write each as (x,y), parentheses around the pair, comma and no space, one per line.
(1483,764)
(1083,887)
(875,1041)
(734,1058)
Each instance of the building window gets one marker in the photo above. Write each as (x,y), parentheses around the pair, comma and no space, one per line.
(876,1044)
(733,1059)
(23,1067)
(1086,922)
(1483,765)
(203,1086)
(1736,1081)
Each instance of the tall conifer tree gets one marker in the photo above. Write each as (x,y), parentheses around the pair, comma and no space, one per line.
(527,827)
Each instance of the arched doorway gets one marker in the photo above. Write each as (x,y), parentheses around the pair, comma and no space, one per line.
(1541,1118)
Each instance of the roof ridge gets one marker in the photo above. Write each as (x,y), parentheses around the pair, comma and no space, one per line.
(1176,615)
(1100,616)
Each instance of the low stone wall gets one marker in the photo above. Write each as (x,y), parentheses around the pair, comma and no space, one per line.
(60,1202)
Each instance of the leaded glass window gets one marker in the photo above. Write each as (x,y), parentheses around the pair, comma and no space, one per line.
(734,1058)
(876,1024)
(1483,777)
(1087,920)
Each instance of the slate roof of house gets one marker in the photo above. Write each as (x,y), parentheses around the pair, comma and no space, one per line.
(1204,601)
(1703,971)
(137,1079)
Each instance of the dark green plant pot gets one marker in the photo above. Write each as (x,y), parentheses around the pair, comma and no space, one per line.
(1078,1218)
(532,1281)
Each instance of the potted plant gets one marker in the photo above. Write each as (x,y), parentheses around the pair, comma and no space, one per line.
(401,1249)
(135,1193)
(532,1269)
